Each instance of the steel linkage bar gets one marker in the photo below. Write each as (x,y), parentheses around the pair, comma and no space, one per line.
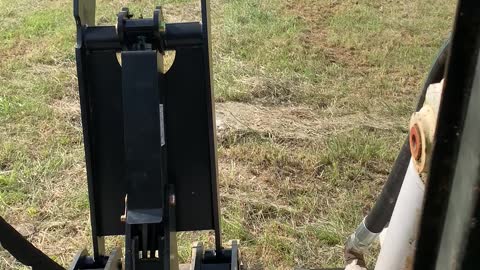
(24,251)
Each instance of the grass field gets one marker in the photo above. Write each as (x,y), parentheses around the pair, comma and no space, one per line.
(313,99)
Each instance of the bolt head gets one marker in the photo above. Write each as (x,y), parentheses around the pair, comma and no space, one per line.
(172,200)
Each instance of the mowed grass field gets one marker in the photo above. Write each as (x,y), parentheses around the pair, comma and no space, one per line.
(313,100)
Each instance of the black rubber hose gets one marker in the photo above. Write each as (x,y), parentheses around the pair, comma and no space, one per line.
(382,211)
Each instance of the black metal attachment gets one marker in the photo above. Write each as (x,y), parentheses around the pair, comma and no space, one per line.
(134,32)
(449,236)
(83,261)
(211,260)
(149,137)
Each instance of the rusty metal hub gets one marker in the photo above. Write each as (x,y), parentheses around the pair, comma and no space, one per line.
(415,142)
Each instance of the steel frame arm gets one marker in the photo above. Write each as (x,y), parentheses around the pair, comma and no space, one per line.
(24,251)
(449,235)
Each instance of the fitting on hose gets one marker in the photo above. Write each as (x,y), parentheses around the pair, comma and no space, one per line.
(357,245)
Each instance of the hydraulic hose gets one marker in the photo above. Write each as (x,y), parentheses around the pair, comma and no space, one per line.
(382,211)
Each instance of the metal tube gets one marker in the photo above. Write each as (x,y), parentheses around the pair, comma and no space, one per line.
(361,239)
(398,246)
(183,34)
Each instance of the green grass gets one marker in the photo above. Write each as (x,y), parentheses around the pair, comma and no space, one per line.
(320,90)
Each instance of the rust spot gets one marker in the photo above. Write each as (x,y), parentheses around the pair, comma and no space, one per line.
(415,142)
(409,263)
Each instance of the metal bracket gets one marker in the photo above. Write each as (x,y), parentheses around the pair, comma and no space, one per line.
(227,259)
(149,135)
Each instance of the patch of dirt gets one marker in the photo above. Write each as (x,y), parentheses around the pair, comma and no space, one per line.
(298,122)
(67,107)
(7,54)
(187,12)
(69,111)
(316,14)
(312,11)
